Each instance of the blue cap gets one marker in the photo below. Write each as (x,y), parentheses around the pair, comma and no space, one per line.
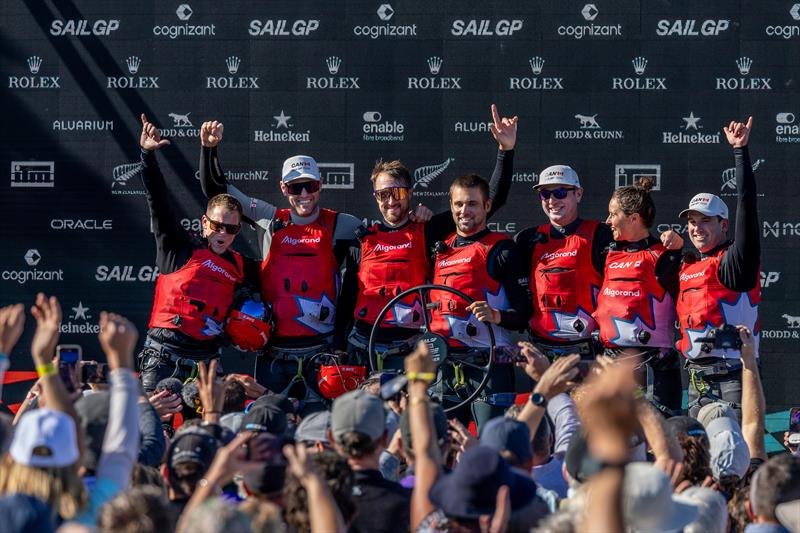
(503,433)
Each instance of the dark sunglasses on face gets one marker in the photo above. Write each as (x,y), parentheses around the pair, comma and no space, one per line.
(230,229)
(559,193)
(397,193)
(296,189)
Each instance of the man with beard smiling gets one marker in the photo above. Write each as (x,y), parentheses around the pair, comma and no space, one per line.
(197,276)
(392,256)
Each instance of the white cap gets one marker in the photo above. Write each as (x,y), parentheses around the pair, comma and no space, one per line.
(558,175)
(713,410)
(45,438)
(709,204)
(300,166)
(648,502)
(729,453)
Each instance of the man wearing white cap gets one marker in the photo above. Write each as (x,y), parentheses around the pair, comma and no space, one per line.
(721,286)
(566,267)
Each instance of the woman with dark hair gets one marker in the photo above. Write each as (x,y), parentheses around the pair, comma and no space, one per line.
(636,305)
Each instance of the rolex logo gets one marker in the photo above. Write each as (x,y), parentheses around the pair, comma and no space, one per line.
(333,64)
(639,64)
(133,64)
(744,64)
(537,64)
(233,63)
(435,64)
(34,62)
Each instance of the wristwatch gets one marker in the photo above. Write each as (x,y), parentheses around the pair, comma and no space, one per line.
(538,400)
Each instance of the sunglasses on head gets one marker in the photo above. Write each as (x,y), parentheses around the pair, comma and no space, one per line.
(230,229)
(296,189)
(397,193)
(559,193)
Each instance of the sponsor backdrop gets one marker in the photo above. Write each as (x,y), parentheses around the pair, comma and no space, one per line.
(616,89)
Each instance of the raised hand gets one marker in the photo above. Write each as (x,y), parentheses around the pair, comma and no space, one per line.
(419,361)
(738,133)
(211,133)
(504,130)
(252,388)
(558,378)
(47,312)
(748,349)
(150,139)
(118,338)
(535,363)
(166,404)
(212,392)
(12,322)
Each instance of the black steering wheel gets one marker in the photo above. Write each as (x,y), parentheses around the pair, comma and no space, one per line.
(450,387)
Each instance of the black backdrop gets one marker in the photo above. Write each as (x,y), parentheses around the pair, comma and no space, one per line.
(613,88)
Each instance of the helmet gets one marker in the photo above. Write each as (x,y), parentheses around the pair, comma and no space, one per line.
(249,325)
(334,379)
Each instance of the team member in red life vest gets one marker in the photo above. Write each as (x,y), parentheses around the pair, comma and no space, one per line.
(198,276)
(636,305)
(487,267)
(566,260)
(393,255)
(722,285)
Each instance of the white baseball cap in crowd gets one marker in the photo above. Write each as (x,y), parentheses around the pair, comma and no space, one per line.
(557,175)
(45,438)
(648,502)
(728,449)
(300,166)
(709,204)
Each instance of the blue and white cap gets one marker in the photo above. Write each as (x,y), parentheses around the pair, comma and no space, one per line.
(300,166)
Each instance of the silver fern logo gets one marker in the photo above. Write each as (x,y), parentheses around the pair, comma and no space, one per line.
(34,62)
(537,64)
(639,64)
(744,64)
(122,174)
(333,63)
(133,63)
(424,176)
(233,63)
(435,64)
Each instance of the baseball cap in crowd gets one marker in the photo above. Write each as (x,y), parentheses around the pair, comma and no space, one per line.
(729,453)
(232,421)
(713,410)
(503,433)
(440,424)
(281,401)
(470,490)
(192,445)
(264,418)
(269,479)
(648,502)
(688,426)
(709,204)
(712,510)
(300,166)
(93,414)
(314,427)
(358,411)
(45,438)
(558,175)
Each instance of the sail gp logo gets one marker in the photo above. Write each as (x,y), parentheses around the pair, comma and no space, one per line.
(303,240)
(423,177)
(392,247)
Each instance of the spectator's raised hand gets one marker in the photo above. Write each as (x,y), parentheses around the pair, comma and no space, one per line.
(558,378)
(212,392)
(738,133)
(118,338)
(535,363)
(211,133)
(47,312)
(166,404)
(748,349)
(12,323)
(419,361)
(252,388)
(150,139)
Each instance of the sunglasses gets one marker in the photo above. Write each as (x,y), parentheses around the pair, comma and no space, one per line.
(559,193)
(296,189)
(218,227)
(396,193)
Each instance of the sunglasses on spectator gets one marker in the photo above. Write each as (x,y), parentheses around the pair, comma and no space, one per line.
(296,189)
(559,193)
(396,193)
(217,227)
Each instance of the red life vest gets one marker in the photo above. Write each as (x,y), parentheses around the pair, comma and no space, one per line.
(704,303)
(564,285)
(392,262)
(633,309)
(196,298)
(300,275)
(465,268)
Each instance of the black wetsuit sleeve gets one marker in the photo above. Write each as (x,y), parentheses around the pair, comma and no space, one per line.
(668,268)
(739,267)
(174,245)
(602,239)
(252,270)
(346,304)
(212,179)
(504,265)
(500,183)
(526,240)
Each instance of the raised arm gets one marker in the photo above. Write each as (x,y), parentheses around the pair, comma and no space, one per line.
(12,323)
(504,131)
(754,406)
